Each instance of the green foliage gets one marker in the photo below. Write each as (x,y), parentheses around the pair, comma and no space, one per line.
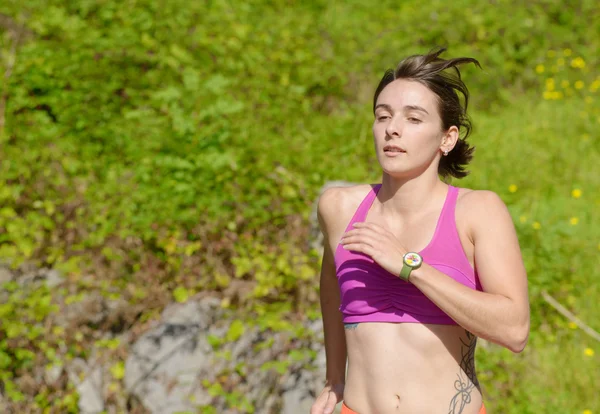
(24,338)
(166,148)
(234,399)
(236,330)
(281,367)
(118,370)
(276,269)
(180,294)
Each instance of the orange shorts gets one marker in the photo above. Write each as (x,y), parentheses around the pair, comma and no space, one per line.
(346,410)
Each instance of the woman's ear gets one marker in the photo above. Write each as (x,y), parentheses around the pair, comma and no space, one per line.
(449,139)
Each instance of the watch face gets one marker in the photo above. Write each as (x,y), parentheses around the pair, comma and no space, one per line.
(412,259)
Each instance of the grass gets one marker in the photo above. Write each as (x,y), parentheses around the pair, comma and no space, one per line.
(545,149)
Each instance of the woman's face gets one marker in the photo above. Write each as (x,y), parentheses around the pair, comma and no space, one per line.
(407,129)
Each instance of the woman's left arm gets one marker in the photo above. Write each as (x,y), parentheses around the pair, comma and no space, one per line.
(500,313)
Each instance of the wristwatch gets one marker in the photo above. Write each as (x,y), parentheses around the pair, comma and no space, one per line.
(410,261)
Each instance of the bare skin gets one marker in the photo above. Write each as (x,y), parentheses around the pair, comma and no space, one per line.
(389,364)
(411,367)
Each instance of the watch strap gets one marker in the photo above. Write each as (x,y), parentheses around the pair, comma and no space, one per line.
(405,272)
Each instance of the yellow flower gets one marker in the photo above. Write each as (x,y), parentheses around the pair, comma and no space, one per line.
(567,52)
(576,193)
(539,68)
(547,95)
(512,188)
(589,352)
(574,221)
(550,84)
(564,84)
(588,99)
(573,325)
(587,411)
(523,219)
(551,53)
(556,95)
(536,225)
(579,84)
(578,63)
(560,62)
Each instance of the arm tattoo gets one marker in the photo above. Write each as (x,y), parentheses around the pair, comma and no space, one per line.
(351,326)
(467,379)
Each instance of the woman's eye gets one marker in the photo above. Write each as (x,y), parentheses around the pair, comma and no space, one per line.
(414,120)
(382,117)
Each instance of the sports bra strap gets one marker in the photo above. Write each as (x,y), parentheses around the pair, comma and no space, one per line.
(365,205)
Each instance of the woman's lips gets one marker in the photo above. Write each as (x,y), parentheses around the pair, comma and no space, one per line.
(393,151)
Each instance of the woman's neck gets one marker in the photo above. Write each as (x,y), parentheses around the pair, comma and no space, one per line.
(409,197)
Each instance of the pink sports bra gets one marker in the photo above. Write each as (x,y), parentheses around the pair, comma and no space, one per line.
(370,293)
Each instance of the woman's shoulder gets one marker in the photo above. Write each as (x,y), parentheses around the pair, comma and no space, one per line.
(476,207)
(342,196)
(337,203)
(478,199)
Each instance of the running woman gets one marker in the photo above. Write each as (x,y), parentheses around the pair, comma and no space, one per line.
(414,269)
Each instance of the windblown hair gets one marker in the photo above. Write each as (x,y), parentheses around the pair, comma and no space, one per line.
(442,77)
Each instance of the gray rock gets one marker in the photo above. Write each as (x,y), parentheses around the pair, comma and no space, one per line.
(53,278)
(53,373)
(88,381)
(168,367)
(90,310)
(6,275)
(27,274)
(4,405)
(302,387)
(297,397)
(91,399)
(162,367)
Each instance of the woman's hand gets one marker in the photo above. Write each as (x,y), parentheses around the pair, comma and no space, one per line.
(380,244)
(328,399)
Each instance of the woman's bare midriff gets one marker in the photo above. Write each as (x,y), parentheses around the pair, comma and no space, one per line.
(411,368)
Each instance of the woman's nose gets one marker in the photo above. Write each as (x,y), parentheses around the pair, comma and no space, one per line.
(393,127)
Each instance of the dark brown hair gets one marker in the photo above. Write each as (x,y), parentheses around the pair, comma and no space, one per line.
(431,71)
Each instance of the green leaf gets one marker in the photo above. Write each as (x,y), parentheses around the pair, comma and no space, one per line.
(118,370)
(236,330)
(5,360)
(181,294)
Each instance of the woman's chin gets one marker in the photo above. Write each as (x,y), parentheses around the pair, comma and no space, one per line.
(396,172)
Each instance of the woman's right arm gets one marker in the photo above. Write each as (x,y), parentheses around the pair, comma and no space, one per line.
(333,327)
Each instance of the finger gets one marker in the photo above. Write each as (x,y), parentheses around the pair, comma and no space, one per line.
(319,404)
(355,232)
(347,238)
(330,404)
(360,239)
(359,247)
(326,403)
